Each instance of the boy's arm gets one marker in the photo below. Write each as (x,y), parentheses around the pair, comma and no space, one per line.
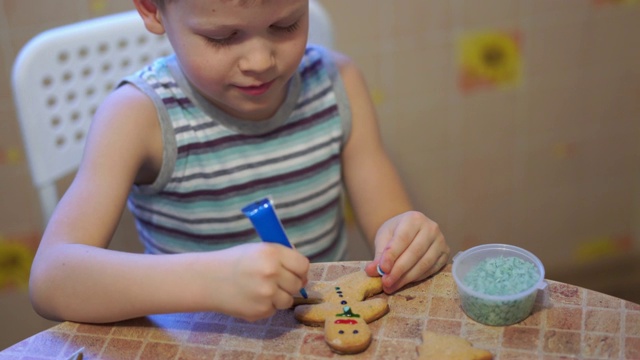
(74,277)
(408,245)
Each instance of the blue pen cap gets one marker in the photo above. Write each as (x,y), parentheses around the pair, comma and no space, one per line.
(266,222)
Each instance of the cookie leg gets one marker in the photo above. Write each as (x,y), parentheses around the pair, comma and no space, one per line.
(347,333)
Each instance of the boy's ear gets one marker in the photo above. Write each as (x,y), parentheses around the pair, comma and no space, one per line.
(150,14)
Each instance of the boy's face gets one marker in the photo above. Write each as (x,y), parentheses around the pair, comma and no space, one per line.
(239,56)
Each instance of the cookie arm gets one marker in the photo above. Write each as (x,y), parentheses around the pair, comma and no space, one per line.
(371,310)
(315,314)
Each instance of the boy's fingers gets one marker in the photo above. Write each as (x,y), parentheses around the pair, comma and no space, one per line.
(290,282)
(418,251)
(295,262)
(397,255)
(282,300)
(293,276)
(370,268)
(416,268)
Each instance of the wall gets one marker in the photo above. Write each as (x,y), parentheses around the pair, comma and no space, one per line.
(537,146)
(512,121)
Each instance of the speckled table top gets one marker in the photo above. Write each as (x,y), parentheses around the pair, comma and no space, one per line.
(568,322)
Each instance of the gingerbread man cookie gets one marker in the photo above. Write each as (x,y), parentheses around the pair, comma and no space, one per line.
(341,307)
(449,347)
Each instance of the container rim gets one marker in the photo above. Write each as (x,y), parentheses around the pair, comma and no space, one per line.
(541,284)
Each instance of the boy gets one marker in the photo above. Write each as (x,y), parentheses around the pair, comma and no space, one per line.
(244,110)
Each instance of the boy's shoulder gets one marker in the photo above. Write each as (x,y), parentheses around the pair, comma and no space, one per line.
(330,58)
(313,53)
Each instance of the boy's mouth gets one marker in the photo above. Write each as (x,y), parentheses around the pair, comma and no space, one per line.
(257,89)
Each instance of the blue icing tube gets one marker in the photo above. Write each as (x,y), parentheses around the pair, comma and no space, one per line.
(268,225)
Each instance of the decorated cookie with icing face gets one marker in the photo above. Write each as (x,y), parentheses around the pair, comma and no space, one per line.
(343,308)
(347,333)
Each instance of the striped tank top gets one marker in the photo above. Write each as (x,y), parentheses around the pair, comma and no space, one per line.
(215,164)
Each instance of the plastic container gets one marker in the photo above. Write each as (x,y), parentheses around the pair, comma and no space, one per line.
(496,310)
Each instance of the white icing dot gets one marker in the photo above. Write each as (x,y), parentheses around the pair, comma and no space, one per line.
(380,270)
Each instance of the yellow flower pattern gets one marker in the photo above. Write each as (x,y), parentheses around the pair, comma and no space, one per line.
(98,7)
(11,156)
(488,59)
(601,247)
(15,264)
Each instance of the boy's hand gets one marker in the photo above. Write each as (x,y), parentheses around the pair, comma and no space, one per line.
(409,247)
(261,279)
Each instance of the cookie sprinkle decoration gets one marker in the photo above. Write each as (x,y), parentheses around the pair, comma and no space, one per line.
(346,311)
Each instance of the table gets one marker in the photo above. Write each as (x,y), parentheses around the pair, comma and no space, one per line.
(568,322)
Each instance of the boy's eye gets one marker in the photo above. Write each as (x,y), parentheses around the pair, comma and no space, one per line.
(227,40)
(291,28)
(221,41)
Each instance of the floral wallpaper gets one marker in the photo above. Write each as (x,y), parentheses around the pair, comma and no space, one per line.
(489,59)
(16,256)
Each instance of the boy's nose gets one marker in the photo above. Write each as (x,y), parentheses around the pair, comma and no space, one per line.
(259,57)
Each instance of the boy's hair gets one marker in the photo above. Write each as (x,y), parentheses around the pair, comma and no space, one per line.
(161,3)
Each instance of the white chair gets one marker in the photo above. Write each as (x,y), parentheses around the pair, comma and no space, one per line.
(320,25)
(63,74)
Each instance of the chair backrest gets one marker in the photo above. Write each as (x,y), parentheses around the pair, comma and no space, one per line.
(320,25)
(63,74)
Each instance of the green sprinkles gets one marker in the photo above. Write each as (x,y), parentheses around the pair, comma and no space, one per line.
(500,276)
